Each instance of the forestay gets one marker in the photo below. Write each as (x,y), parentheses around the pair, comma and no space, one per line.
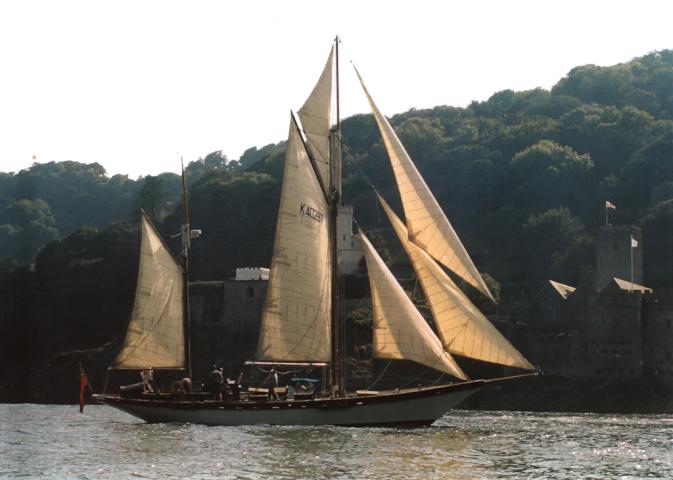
(297,311)
(400,332)
(428,226)
(315,120)
(155,336)
(463,329)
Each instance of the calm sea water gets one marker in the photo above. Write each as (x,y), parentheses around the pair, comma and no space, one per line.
(56,442)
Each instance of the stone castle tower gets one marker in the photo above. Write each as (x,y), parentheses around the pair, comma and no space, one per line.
(614,255)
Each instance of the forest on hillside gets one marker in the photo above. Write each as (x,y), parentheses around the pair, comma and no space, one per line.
(523,177)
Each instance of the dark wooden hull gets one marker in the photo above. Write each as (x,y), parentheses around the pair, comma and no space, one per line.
(410,407)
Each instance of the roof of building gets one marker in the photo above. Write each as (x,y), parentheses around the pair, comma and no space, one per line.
(562,289)
(630,286)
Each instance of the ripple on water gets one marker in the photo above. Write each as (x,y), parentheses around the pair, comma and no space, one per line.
(57,442)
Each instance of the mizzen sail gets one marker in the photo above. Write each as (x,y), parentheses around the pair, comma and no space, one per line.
(463,329)
(315,116)
(428,226)
(296,318)
(155,336)
(400,332)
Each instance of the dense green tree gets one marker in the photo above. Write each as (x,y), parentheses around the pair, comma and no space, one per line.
(236,213)
(553,244)
(84,289)
(25,226)
(658,244)
(154,197)
(649,168)
(548,175)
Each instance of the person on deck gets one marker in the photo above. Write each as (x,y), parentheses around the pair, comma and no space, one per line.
(147,375)
(272,392)
(216,381)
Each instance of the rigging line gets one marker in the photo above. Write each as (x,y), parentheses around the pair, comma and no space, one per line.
(381,375)
(417,378)
(378,208)
(438,379)
(364,175)
(371,185)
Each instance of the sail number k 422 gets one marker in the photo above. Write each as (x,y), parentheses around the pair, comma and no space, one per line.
(310,212)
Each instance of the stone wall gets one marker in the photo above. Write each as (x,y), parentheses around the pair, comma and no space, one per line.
(225,318)
(658,340)
(612,335)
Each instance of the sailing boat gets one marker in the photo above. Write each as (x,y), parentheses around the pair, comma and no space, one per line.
(301,317)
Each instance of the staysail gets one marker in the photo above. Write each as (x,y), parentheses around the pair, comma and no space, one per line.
(463,329)
(296,318)
(428,226)
(315,116)
(155,336)
(400,332)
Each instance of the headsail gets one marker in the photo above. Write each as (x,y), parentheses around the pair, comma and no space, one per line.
(463,329)
(428,226)
(296,318)
(155,336)
(400,332)
(315,116)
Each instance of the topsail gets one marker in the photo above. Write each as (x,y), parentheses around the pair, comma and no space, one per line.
(428,226)
(315,120)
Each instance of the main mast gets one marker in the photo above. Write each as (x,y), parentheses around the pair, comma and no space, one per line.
(336,371)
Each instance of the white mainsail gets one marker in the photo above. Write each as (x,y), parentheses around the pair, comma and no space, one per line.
(463,329)
(315,120)
(428,226)
(155,336)
(400,332)
(296,320)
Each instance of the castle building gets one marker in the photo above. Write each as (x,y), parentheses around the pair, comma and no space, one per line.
(610,325)
(224,320)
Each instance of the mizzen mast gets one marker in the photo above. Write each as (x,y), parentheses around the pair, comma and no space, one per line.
(186,235)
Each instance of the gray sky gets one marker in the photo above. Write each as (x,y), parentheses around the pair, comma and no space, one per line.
(134,84)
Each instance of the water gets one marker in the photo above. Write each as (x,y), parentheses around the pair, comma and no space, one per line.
(54,442)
